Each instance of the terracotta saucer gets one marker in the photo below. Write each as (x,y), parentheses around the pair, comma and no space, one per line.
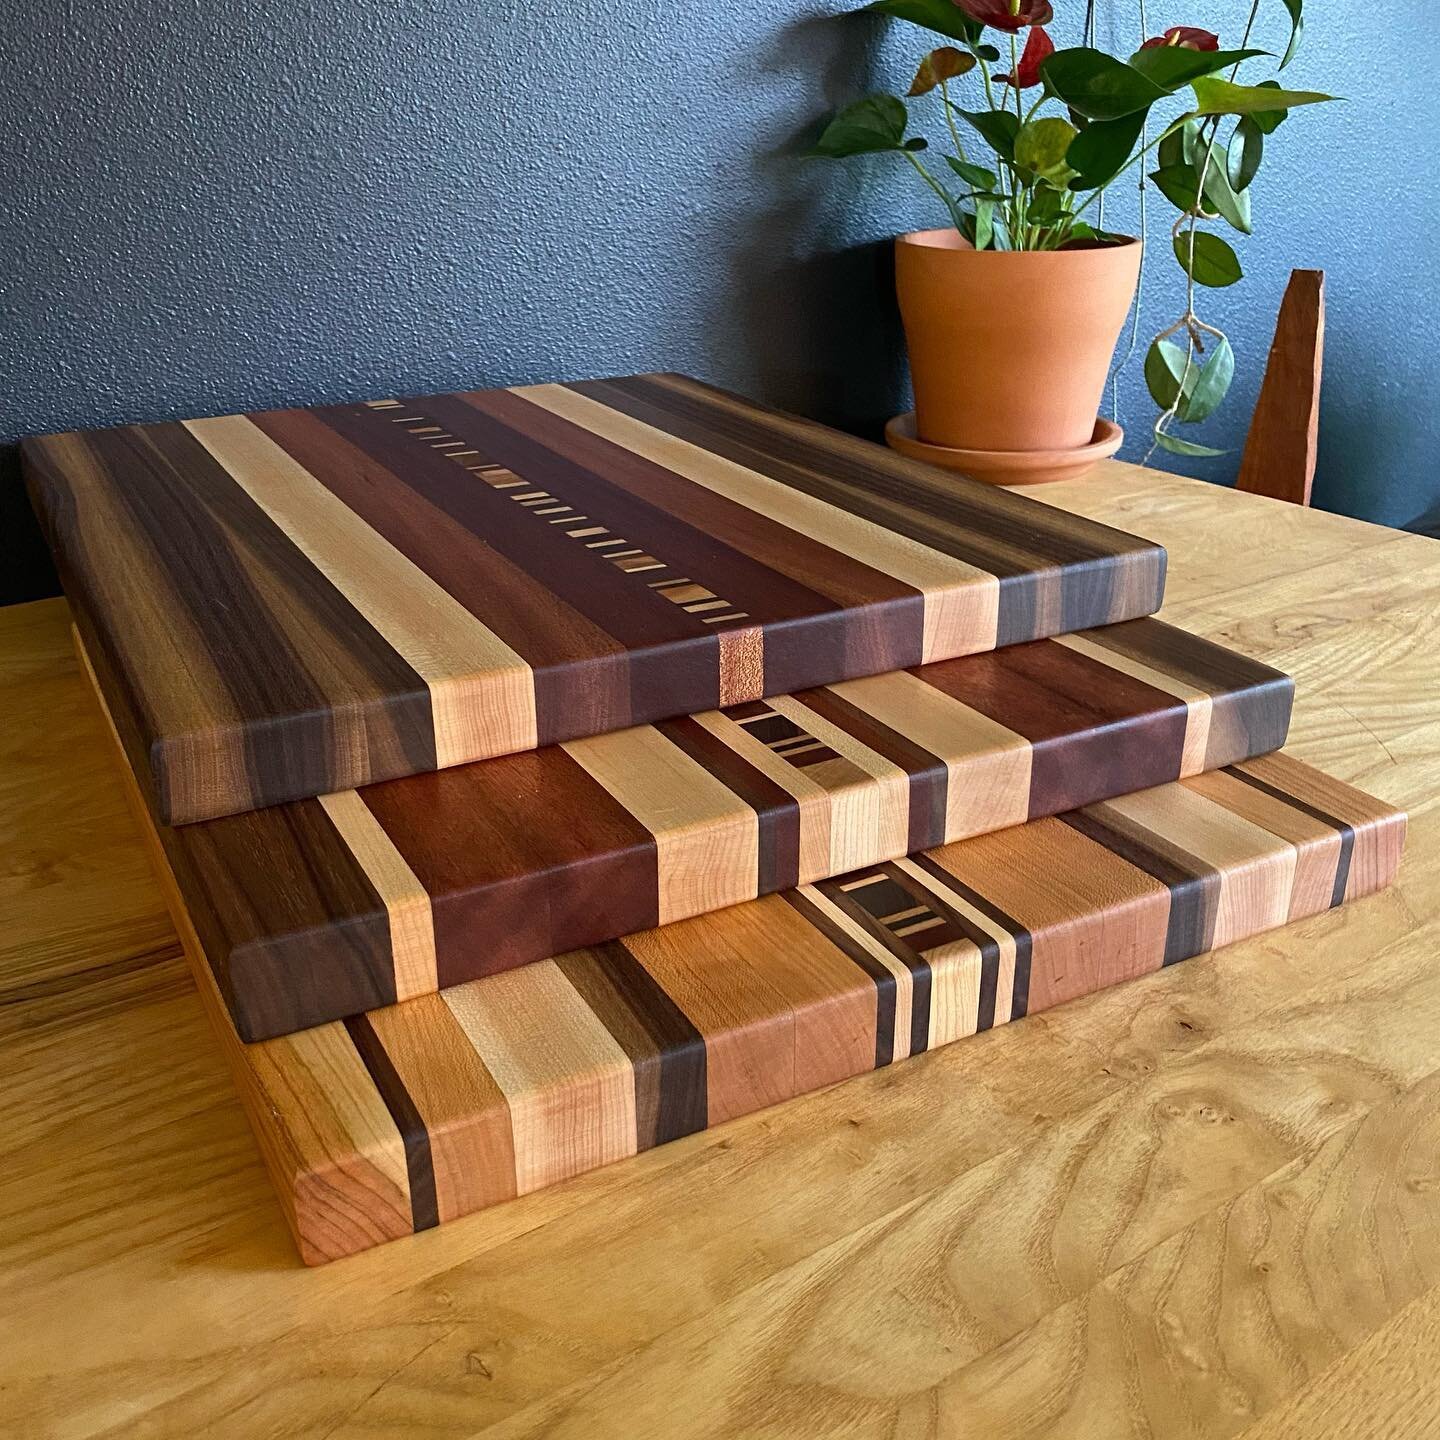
(1006,467)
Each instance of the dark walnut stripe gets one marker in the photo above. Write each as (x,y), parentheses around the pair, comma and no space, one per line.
(309,915)
(419,1163)
(305,601)
(1194,886)
(1343,828)
(289,949)
(671,1030)
(777,812)
(666,1050)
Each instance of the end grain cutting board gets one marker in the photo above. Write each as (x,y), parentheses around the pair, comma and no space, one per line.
(319,909)
(304,601)
(410,1116)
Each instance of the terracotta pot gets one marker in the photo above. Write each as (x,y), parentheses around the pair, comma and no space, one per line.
(1009,350)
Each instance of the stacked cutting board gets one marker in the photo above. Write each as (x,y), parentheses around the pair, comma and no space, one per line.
(539,775)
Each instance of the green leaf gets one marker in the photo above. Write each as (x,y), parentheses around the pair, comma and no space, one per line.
(916,142)
(1220,97)
(1099,152)
(1164,367)
(1171,66)
(1177,446)
(1045,208)
(1098,86)
(986,52)
(873,124)
(1180,143)
(984,224)
(938,15)
(1269,121)
(1221,196)
(1211,384)
(1297,29)
(1216,264)
(1190,136)
(975,176)
(1041,145)
(1179,184)
(997,127)
(1247,146)
(940,65)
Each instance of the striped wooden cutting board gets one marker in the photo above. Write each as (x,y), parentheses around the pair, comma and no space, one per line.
(319,909)
(304,601)
(410,1116)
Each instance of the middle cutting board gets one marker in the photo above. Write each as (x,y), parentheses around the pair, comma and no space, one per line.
(320,909)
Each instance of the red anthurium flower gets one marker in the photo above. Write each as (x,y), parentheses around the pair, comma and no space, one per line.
(1186,37)
(1039,47)
(1011,15)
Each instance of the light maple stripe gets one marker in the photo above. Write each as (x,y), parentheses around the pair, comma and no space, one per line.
(1257,868)
(997,761)
(961,600)
(904,981)
(943,1025)
(707,839)
(407,902)
(435,635)
(1318,843)
(567,1080)
(867,821)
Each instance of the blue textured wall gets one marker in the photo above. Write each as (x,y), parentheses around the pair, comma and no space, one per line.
(238,203)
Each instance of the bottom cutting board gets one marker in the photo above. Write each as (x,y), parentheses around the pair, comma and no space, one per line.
(393,1121)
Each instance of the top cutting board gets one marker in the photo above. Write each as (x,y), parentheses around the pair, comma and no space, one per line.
(304,601)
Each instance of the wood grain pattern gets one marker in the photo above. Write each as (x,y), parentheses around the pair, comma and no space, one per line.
(881,1257)
(566,1065)
(299,602)
(318,909)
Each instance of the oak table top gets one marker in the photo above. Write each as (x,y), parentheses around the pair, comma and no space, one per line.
(1204,1203)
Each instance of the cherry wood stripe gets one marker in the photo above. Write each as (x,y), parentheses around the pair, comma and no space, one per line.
(602,1052)
(297,603)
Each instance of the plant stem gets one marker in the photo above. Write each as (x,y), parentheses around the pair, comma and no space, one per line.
(930,180)
(950,120)
(1245,38)
(989,88)
(1015,76)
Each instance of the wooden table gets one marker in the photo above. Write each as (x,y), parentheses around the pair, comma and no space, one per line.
(1204,1204)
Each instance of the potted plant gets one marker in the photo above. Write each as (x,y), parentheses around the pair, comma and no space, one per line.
(1012,311)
